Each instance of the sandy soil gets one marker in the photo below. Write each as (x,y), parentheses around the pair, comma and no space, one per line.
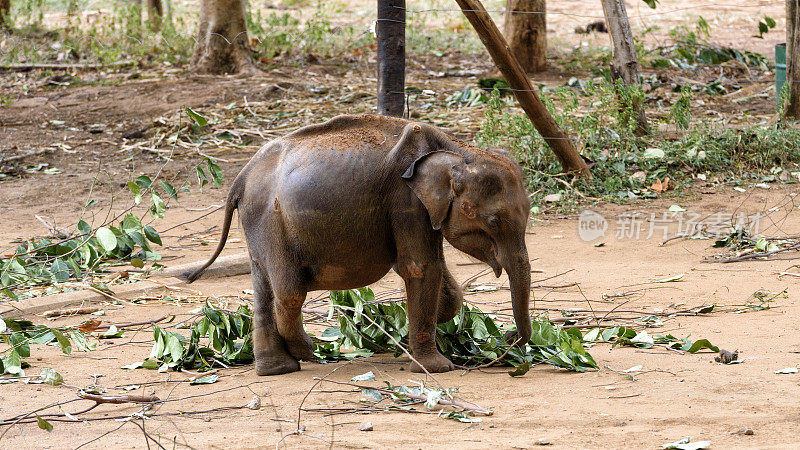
(675,395)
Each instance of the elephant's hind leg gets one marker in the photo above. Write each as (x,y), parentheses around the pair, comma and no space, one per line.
(290,296)
(450,299)
(271,357)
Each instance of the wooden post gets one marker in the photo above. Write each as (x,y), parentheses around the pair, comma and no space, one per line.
(792,110)
(391,33)
(625,64)
(559,142)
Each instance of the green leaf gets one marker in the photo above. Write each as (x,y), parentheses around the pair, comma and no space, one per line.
(143,181)
(51,377)
(136,191)
(43,424)
(196,118)
(432,398)
(651,3)
(157,207)
(699,345)
(106,238)
(112,333)
(138,263)
(372,394)
(149,364)
(152,235)
(80,342)
(63,342)
(132,366)
(12,364)
(215,171)
(175,348)
(19,342)
(130,224)
(206,380)
(521,369)
(369,376)
(170,190)
(770,21)
(202,178)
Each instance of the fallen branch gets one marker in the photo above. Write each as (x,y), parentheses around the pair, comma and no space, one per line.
(70,312)
(121,326)
(759,256)
(117,399)
(26,67)
(443,401)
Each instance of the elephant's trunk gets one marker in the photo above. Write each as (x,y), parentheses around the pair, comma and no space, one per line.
(518,268)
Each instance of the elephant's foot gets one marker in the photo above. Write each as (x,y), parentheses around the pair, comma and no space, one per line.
(271,364)
(434,363)
(301,348)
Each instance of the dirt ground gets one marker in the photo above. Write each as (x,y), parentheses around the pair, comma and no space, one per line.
(673,395)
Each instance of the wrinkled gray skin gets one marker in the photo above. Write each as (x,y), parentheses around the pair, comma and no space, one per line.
(336,205)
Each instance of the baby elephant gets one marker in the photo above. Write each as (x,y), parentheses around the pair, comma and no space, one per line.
(336,205)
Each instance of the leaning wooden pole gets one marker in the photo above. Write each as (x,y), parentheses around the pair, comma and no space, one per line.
(625,64)
(390,31)
(495,43)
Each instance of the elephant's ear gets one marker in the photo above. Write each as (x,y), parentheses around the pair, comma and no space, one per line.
(431,179)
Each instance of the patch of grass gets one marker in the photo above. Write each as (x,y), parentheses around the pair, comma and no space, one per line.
(625,166)
(287,36)
(692,48)
(109,37)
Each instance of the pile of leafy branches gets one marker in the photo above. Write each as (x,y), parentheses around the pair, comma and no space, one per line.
(86,250)
(223,338)
(627,336)
(227,340)
(20,334)
(741,246)
(471,338)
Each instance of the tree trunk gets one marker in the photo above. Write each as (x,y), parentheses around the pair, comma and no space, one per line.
(5,7)
(792,110)
(155,11)
(561,144)
(526,32)
(390,31)
(625,65)
(222,42)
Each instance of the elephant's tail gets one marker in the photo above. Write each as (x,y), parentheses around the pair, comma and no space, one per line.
(230,205)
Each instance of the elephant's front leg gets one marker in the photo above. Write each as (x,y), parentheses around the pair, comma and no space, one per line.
(451,297)
(423,287)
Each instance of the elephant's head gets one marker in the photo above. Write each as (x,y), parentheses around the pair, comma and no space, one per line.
(478,200)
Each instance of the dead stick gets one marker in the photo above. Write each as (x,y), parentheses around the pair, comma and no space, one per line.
(132,324)
(117,399)
(71,311)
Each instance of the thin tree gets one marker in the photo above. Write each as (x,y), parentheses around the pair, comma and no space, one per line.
(155,11)
(5,7)
(792,110)
(222,42)
(625,64)
(526,33)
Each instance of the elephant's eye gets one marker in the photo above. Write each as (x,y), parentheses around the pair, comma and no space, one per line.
(494,222)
